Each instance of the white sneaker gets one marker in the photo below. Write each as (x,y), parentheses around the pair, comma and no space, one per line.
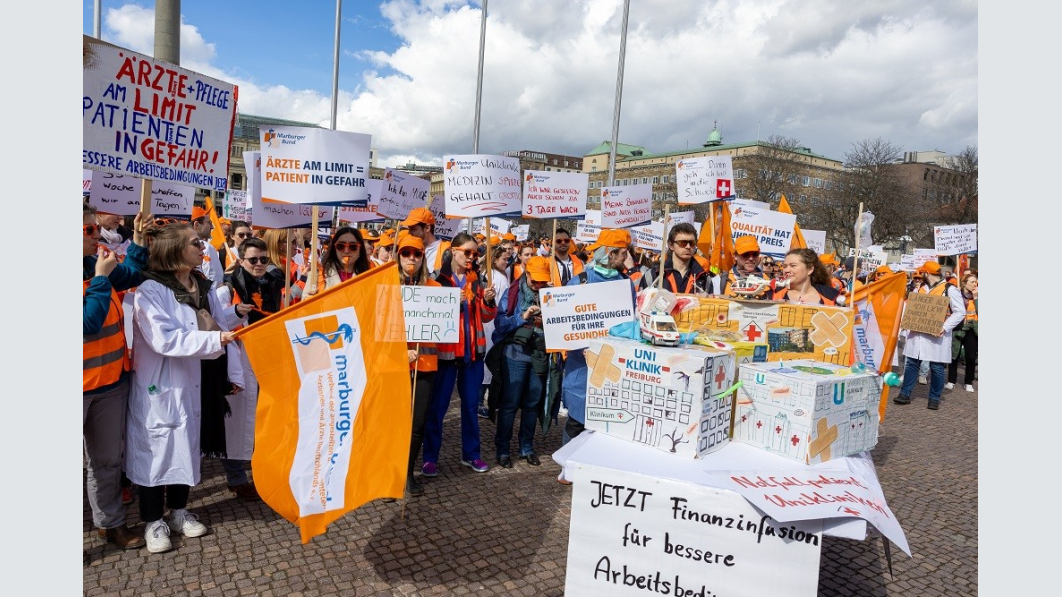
(969,388)
(157,536)
(922,380)
(949,386)
(184,522)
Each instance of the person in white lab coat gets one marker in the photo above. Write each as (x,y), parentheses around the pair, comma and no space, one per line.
(935,348)
(175,335)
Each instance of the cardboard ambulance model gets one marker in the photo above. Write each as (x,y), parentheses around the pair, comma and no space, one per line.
(659,329)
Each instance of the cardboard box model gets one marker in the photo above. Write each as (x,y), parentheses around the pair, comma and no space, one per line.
(809,411)
(664,397)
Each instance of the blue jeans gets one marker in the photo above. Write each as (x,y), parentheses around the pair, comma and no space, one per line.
(467,378)
(910,375)
(235,471)
(523,390)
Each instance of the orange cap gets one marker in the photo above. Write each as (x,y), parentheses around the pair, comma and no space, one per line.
(495,240)
(386,240)
(367,234)
(405,239)
(538,268)
(612,238)
(420,215)
(883,269)
(199,212)
(746,244)
(930,267)
(828,259)
(509,236)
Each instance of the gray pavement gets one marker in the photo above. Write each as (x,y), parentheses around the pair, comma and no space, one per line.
(505,532)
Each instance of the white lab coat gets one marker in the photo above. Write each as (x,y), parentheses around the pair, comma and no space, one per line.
(163,424)
(239,425)
(212,266)
(937,349)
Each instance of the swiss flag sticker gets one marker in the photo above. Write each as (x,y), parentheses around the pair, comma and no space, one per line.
(723,188)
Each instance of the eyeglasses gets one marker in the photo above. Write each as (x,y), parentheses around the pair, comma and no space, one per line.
(90,229)
(411,253)
(198,243)
(242,235)
(348,246)
(469,253)
(685,244)
(749,255)
(564,240)
(256,260)
(164,221)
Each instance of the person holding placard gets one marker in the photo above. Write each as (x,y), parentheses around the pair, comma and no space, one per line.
(809,281)
(519,327)
(460,364)
(345,258)
(421,224)
(682,273)
(423,356)
(965,337)
(936,349)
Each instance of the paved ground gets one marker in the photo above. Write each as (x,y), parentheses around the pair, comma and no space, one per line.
(506,532)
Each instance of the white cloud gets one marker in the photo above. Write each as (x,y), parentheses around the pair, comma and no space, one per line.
(827,72)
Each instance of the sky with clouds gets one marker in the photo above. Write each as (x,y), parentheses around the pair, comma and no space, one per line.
(828,73)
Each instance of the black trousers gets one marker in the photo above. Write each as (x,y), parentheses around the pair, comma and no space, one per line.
(421,402)
(969,346)
(152,499)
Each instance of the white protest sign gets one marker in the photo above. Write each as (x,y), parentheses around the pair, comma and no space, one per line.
(737,204)
(622,207)
(120,195)
(431,313)
(401,193)
(148,118)
(815,495)
(368,213)
(633,534)
(86,181)
(234,206)
(955,240)
(500,226)
(278,214)
(773,229)
(701,180)
(252,163)
(168,199)
(521,232)
(586,233)
(650,236)
(445,229)
(816,240)
(593,217)
(554,194)
(870,258)
(479,186)
(310,165)
(573,315)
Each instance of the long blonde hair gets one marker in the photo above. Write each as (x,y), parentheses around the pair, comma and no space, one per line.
(275,240)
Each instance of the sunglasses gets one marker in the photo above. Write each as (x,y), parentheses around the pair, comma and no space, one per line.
(257,260)
(564,240)
(90,229)
(469,253)
(411,253)
(749,255)
(164,221)
(198,243)
(348,246)
(242,235)
(685,244)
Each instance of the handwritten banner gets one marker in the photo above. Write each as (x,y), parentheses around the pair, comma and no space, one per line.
(481,186)
(431,313)
(278,214)
(816,240)
(772,229)
(955,240)
(86,181)
(234,206)
(120,195)
(622,207)
(148,118)
(401,193)
(701,180)
(573,315)
(550,195)
(310,165)
(914,261)
(633,534)
(364,214)
(925,313)
(446,229)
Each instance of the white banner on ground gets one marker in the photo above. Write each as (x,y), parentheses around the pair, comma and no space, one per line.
(445,229)
(401,193)
(632,534)
(148,118)
(701,180)
(550,195)
(277,214)
(623,207)
(310,165)
(572,315)
(816,240)
(120,195)
(431,313)
(772,229)
(368,213)
(234,206)
(955,240)
(479,186)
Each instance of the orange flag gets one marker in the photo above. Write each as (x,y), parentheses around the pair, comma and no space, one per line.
(798,236)
(717,244)
(217,235)
(334,415)
(879,307)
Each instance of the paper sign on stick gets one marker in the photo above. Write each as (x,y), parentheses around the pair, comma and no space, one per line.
(636,535)
(364,214)
(772,229)
(593,217)
(401,193)
(701,180)
(310,165)
(816,240)
(622,207)
(479,186)
(955,240)
(234,206)
(572,315)
(521,232)
(252,163)
(550,195)
(120,195)
(586,233)
(446,229)
(650,236)
(925,313)
(431,313)
(148,118)
(277,214)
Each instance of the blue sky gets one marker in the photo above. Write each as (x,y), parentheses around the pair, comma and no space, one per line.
(828,73)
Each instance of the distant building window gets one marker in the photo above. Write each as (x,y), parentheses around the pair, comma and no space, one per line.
(791,179)
(547,169)
(817,183)
(645,180)
(237,151)
(807,181)
(593,168)
(656,180)
(554,162)
(237,182)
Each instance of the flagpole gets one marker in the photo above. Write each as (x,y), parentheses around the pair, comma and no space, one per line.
(479,99)
(412,406)
(287,268)
(855,261)
(663,250)
(619,96)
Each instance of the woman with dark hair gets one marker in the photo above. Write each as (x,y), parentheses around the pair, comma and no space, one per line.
(461,363)
(345,258)
(177,340)
(808,280)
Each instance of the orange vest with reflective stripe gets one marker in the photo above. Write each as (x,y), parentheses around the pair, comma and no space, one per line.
(105,356)
(941,290)
(971,310)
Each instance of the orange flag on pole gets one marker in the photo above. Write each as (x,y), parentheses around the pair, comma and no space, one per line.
(717,244)
(334,415)
(217,235)
(879,307)
(798,236)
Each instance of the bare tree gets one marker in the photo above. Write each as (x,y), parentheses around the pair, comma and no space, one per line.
(961,204)
(773,171)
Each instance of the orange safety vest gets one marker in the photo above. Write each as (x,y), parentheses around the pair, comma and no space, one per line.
(971,310)
(577,268)
(105,356)
(443,246)
(941,290)
(779,295)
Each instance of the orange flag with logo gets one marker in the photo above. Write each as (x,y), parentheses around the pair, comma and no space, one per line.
(879,307)
(798,236)
(334,416)
(217,235)
(717,244)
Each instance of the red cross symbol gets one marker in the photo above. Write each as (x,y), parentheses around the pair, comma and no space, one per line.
(722,188)
(752,332)
(795,440)
(851,511)
(649,422)
(720,376)
(744,418)
(759,424)
(778,429)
